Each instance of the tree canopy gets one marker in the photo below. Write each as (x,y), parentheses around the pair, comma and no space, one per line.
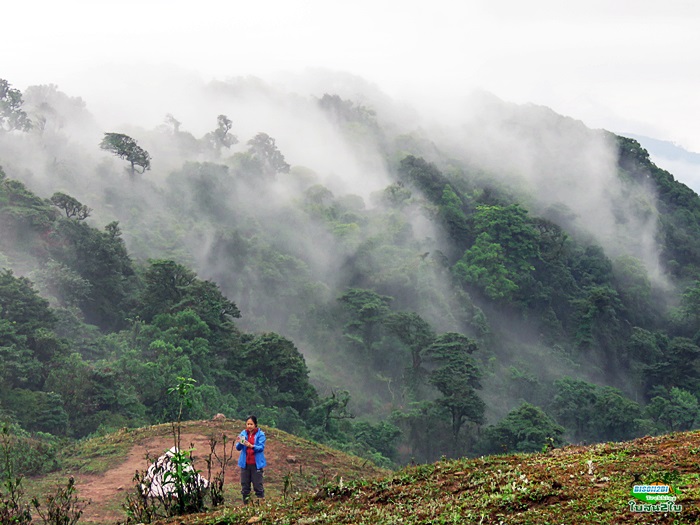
(127,148)
(12,116)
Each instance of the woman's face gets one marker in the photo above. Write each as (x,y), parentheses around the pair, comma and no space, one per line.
(249,425)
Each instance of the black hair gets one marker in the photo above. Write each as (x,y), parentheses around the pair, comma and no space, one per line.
(254,418)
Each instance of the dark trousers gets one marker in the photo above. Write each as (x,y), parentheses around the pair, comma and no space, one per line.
(251,474)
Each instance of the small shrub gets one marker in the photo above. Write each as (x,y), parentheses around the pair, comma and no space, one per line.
(61,508)
(216,486)
(12,507)
(172,486)
(32,454)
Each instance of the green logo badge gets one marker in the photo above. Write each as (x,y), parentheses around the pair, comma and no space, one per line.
(655,497)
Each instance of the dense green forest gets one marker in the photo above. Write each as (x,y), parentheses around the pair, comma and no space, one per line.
(395,287)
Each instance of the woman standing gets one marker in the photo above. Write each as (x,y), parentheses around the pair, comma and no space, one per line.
(251,443)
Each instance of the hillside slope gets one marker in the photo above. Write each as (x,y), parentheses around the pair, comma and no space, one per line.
(572,485)
(505,282)
(104,467)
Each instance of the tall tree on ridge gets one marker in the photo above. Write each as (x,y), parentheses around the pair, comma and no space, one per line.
(125,147)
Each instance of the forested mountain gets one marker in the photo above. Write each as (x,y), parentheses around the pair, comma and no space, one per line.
(394,285)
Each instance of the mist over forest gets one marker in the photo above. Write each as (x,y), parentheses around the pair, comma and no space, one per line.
(349,268)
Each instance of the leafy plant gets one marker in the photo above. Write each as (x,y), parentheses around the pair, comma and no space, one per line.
(182,391)
(63,507)
(60,508)
(172,486)
(12,507)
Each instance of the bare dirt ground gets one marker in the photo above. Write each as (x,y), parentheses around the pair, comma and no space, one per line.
(107,491)
(303,465)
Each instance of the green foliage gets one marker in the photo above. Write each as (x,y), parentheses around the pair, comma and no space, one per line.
(12,116)
(201,189)
(357,122)
(510,227)
(329,412)
(220,137)
(59,281)
(346,110)
(451,209)
(262,158)
(675,410)
(367,310)
(166,284)
(18,366)
(525,429)
(154,375)
(484,265)
(24,216)
(414,332)
(424,176)
(689,310)
(182,391)
(635,288)
(600,322)
(94,395)
(396,195)
(70,206)
(101,259)
(679,208)
(21,305)
(573,405)
(188,490)
(30,453)
(456,375)
(615,416)
(503,254)
(414,421)
(13,509)
(37,411)
(381,436)
(171,287)
(61,508)
(675,367)
(279,372)
(25,347)
(127,148)
(595,413)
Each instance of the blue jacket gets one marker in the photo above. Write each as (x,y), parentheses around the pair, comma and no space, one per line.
(258,447)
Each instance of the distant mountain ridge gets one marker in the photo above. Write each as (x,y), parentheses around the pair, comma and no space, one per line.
(664,148)
(684,164)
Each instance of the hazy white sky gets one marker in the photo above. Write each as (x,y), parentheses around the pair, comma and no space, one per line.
(624,65)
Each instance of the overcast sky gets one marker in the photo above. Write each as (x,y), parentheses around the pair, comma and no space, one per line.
(623,65)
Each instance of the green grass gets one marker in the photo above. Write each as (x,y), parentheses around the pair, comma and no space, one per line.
(574,485)
(550,488)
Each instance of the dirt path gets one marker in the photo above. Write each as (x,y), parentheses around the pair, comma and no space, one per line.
(107,491)
(303,465)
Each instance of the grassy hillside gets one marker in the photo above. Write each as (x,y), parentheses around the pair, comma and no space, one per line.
(104,467)
(571,485)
